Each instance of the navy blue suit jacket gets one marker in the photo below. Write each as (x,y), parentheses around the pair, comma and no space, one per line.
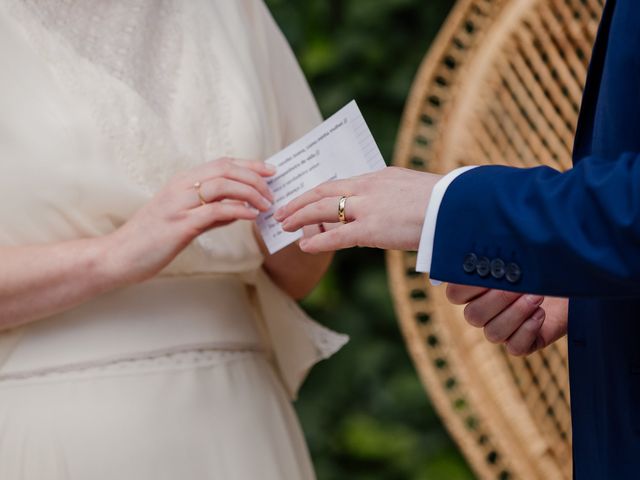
(574,234)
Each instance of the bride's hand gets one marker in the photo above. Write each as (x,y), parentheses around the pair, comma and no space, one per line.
(230,189)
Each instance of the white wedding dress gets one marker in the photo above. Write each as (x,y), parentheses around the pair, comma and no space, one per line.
(190,375)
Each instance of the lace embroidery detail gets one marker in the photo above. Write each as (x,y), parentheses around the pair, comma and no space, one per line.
(191,359)
(136,41)
(126,59)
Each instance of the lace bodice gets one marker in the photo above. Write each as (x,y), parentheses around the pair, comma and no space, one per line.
(136,41)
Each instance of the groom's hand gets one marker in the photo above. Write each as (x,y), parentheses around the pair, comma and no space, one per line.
(524,323)
(384,209)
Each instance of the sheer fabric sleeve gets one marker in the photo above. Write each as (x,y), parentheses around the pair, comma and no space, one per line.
(295,104)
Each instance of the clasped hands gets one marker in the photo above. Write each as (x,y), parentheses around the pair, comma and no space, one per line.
(386,209)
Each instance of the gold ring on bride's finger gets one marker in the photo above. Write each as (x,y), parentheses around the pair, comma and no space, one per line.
(198,187)
(342,215)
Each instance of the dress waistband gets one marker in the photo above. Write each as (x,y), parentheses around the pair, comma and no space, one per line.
(164,315)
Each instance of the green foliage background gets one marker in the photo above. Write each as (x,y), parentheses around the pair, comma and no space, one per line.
(364,412)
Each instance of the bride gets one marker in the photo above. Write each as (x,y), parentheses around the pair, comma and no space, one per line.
(144,333)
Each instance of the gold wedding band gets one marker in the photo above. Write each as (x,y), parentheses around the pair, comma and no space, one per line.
(197,186)
(342,215)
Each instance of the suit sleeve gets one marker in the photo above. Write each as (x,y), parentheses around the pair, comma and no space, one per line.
(541,231)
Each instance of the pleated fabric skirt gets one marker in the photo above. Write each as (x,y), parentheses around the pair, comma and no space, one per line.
(209,415)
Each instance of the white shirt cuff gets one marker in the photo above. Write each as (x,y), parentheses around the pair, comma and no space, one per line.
(425,250)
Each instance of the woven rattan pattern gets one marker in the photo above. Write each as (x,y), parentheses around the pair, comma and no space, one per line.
(502,84)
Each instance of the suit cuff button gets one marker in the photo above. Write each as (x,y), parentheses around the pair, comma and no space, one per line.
(470,262)
(483,267)
(513,273)
(498,268)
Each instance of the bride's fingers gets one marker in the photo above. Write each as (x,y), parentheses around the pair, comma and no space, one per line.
(220,213)
(249,177)
(257,166)
(345,236)
(222,166)
(235,170)
(234,202)
(324,210)
(223,188)
(337,188)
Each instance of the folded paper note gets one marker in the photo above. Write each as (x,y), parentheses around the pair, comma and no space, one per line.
(341,147)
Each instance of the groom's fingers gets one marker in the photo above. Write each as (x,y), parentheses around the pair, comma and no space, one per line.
(324,210)
(462,294)
(486,307)
(337,188)
(331,225)
(527,337)
(344,236)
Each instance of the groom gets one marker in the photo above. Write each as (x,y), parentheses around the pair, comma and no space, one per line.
(515,235)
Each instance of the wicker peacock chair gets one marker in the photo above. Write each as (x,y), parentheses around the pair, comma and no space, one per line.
(502,84)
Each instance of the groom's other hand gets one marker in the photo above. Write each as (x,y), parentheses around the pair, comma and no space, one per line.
(524,323)
(384,209)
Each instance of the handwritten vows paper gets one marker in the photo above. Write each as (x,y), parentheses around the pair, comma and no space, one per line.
(341,147)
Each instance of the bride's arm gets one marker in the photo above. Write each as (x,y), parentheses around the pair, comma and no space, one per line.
(294,271)
(39,281)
